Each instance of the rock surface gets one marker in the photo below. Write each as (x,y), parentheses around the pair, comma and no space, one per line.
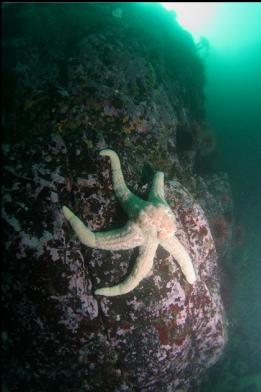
(57,335)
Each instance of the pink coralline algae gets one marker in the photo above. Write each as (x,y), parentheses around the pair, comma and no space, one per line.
(164,332)
(138,91)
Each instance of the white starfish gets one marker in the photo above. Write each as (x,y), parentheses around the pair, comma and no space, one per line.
(151,223)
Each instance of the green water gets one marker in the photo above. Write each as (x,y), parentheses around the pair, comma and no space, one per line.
(233,104)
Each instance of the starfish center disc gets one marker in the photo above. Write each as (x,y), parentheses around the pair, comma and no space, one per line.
(159,219)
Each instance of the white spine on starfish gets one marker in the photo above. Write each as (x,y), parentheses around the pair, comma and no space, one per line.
(127,237)
(142,267)
(120,188)
(157,189)
(131,203)
(85,235)
(176,249)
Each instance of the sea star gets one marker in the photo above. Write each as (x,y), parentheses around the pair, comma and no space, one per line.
(151,223)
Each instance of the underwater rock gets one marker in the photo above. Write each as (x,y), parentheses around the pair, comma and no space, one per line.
(164,332)
(139,98)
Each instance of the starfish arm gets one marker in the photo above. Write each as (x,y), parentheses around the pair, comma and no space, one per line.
(176,249)
(131,203)
(142,267)
(126,237)
(156,194)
